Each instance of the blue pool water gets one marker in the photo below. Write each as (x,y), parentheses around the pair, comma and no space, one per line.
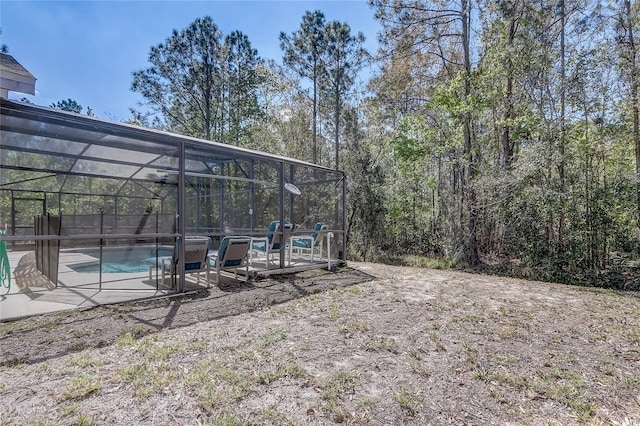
(121,259)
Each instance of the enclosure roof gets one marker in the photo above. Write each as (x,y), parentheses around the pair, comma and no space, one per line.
(79,145)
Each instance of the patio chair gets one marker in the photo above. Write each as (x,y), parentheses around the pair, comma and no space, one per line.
(272,242)
(195,260)
(309,244)
(231,256)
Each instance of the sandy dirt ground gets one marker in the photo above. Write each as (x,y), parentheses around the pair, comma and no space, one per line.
(366,344)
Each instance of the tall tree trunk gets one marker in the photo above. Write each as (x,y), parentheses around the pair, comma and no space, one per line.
(470,245)
(507,143)
(634,104)
(562,165)
(337,118)
(207,95)
(315,110)
(507,146)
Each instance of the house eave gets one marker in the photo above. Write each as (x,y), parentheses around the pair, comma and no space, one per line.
(17,83)
(14,77)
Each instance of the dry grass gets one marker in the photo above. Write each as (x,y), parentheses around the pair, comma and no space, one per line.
(369,345)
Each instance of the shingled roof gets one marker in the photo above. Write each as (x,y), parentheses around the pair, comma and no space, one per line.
(14,77)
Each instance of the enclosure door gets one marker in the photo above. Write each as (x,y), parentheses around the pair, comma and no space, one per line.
(23,212)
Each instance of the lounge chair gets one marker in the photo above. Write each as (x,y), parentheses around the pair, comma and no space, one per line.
(195,260)
(273,241)
(232,255)
(309,244)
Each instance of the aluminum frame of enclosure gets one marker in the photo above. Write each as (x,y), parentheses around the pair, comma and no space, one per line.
(113,183)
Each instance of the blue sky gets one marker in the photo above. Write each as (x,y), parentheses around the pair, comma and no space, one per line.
(87,50)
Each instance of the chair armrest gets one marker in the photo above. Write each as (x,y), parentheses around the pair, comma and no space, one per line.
(259,240)
(164,260)
(303,237)
(212,257)
(309,238)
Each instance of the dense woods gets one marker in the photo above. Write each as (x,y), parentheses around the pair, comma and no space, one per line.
(501,134)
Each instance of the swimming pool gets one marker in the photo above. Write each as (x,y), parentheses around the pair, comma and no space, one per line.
(129,259)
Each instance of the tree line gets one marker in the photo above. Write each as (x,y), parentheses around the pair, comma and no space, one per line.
(513,133)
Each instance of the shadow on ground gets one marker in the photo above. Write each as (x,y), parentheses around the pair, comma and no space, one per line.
(40,338)
(28,278)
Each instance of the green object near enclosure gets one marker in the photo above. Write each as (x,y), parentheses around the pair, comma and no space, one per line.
(5,269)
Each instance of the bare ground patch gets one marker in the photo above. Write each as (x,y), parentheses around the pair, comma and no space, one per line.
(369,344)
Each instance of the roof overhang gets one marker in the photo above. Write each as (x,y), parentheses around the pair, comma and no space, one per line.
(14,77)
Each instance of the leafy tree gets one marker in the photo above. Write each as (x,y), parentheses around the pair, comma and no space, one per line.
(330,56)
(303,52)
(181,83)
(550,173)
(344,58)
(68,105)
(366,166)
(3,47)
(440,35)
(245,75)
(283,128)
(189,84)
(627,27)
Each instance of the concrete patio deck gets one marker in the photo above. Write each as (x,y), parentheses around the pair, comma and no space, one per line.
(32,294)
